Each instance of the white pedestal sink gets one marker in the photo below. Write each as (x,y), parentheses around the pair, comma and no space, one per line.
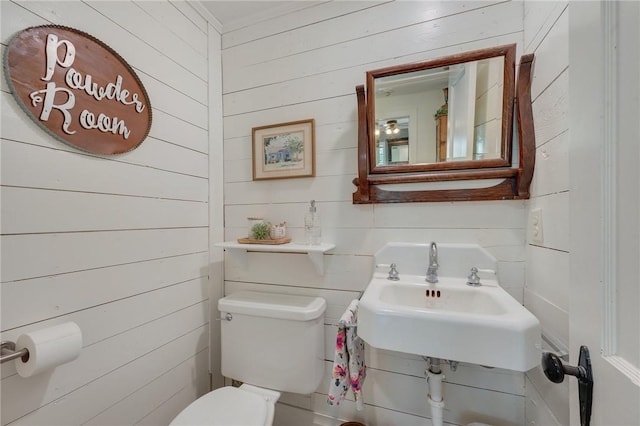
(450,320)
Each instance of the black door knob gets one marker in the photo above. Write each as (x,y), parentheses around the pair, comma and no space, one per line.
(555,371)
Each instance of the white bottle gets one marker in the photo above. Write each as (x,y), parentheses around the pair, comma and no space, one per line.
(312,230)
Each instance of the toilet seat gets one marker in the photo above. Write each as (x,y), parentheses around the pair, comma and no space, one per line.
(227,406)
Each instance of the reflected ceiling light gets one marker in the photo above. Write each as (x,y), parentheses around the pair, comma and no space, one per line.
(391,127)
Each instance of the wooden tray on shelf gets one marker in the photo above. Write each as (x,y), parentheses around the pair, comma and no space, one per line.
(276,241)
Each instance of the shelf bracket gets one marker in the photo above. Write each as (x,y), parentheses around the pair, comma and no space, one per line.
(240,255)
(317,258)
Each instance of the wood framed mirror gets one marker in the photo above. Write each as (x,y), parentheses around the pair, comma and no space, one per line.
(442,130)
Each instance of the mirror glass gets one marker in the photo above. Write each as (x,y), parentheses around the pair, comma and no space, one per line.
(449,113)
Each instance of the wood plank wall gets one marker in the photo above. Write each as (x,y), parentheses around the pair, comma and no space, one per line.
(546,33)
(120,244)
(306,64)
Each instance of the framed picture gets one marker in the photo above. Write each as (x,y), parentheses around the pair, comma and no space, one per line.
(285,150)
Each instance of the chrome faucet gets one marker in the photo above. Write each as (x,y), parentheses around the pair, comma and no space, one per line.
(432,270)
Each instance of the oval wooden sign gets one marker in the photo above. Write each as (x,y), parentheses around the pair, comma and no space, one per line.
(78,89)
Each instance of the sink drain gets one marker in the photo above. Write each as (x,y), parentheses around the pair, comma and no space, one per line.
(430,294)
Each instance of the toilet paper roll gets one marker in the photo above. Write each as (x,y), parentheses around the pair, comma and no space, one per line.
(49,348)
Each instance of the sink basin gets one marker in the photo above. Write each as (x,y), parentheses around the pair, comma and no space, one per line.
(453,298)
(451,320)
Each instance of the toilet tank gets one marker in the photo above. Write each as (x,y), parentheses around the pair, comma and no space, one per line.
(273,340)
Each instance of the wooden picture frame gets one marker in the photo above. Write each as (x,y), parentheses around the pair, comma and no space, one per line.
(284,150)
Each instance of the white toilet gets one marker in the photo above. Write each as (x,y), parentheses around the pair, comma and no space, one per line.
(271,342)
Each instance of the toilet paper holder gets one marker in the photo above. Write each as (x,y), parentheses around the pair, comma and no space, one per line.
(8,352)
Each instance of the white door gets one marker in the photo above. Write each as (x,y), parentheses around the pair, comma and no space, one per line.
(604,123)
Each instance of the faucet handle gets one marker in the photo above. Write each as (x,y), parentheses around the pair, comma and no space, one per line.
(393,273)
(474,279)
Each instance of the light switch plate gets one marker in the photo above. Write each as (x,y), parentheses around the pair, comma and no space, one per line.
(535,226)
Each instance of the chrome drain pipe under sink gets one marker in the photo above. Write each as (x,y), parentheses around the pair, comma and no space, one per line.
(435,377)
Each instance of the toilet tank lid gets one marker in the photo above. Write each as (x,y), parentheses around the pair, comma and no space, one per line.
(273,305)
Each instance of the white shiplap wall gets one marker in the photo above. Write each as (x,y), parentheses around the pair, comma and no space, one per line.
(306,64)
(546,33)
(119,244)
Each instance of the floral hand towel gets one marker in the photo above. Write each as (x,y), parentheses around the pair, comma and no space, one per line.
(349,369)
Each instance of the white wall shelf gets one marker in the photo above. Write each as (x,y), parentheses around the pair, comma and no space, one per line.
(315,253)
